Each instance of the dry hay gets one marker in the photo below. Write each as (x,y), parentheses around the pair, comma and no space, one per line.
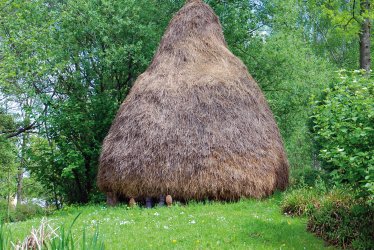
(195,124)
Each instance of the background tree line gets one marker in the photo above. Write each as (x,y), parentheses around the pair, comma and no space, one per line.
(66,66)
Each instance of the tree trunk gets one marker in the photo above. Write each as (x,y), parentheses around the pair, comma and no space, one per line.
(8,208)
(365,60)
(21,170)
(87,164)
(19,185)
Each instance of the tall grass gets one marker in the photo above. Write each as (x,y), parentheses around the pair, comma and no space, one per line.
(4,239)
(46,237)
(66,240)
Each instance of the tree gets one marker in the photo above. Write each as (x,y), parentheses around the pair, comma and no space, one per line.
(76,61)
(8,170)
(335,26)
(365,34)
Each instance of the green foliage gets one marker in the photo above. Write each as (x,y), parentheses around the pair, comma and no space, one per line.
(343,220)
(26,211)
(308,177)
(46,237)
(334,214)
(343,125)
(67,240)
(4,237)
(8,169)
(300,201)
(267,37)
(333,28)
(74,62)
(303,198)
(20,213)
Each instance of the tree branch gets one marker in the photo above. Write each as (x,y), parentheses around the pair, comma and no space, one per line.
(353,15)
(22,130)
(11,134)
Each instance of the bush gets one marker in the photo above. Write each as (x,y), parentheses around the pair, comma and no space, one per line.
(20,213)
(344,132)
(299,201)
(307,177)
(337,216)
(343,220)
(304,199)
(26,211)
(3,210)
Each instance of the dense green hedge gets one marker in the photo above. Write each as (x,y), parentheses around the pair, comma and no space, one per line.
(343,220)
(334,214)
(344,133)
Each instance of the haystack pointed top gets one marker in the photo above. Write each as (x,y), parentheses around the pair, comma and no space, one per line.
(194,26)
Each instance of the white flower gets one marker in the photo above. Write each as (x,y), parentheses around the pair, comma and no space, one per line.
(156,214)
(124,222)
(192,222)
(221,218)
(166,227)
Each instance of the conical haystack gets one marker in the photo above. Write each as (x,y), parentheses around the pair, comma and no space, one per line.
(195,124)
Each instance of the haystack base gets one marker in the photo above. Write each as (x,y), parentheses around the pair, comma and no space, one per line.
(111,199)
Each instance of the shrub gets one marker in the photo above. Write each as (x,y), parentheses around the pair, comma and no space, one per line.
(307,177)
(305,199)
(299,201)
(343,127)
(3,210)
(21,212)
(344,220)
(338,216)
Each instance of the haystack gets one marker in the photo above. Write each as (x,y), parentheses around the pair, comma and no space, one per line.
(195,124)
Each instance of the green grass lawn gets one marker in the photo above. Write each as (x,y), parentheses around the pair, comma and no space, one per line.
(248,224)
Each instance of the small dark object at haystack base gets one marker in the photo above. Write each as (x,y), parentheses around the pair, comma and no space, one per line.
(148,202)
(111,198)
(132,202)
(161,202)
(195,123)
(169,200)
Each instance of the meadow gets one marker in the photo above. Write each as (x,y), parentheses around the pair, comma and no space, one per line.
(247,224)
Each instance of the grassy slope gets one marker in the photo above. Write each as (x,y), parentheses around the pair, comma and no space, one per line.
(248,224)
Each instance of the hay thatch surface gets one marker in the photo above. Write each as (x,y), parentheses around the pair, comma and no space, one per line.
(195,125)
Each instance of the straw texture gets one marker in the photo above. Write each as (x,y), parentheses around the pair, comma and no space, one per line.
(195,124)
